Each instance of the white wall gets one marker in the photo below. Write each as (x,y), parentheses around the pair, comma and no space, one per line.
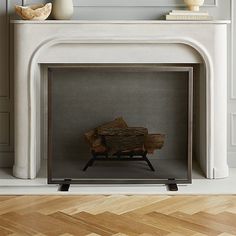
(232,91)
(108,9)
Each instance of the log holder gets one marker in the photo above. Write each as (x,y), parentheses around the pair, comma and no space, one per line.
(119,156)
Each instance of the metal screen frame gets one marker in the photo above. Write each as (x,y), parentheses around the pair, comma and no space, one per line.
(128,68)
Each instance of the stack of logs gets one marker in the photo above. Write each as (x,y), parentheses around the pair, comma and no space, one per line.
(116,136)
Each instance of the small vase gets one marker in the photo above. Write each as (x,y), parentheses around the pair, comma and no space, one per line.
(62,9)
(194,5)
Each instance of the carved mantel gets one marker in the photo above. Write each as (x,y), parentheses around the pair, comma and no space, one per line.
(73,42)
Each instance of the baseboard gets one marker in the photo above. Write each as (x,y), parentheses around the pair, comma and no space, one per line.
(232,159)
(6,159)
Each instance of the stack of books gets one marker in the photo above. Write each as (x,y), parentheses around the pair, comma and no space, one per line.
(188,15)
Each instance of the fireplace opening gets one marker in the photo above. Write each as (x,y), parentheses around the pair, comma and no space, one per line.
(122,110)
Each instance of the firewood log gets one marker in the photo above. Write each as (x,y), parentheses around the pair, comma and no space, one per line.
(129,131)
(154,142)
(123,139)
(115,136)
(117,123)
(95,141)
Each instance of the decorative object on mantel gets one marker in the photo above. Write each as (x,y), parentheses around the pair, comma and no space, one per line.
(62,9)
(193,14)
(186,15)
(116,141)
(34,12)
(194,5)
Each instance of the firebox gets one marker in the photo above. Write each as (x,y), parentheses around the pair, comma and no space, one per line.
(120,123)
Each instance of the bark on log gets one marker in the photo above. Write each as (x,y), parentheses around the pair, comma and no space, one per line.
(122,139)
(117,123)
(129,131)
(95,141)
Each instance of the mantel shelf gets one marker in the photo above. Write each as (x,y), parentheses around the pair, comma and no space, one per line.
(118,22)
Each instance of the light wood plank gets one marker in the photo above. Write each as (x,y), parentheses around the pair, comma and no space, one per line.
(117,215)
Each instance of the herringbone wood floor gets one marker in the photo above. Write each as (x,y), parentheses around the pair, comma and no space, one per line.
(118,215)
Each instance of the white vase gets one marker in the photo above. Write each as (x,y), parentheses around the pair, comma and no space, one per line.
(62,9)
(194,5)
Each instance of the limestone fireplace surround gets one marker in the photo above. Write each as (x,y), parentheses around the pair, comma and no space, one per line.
(133,42)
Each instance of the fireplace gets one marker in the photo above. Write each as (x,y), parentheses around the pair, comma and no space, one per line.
(41,45)
(87,145)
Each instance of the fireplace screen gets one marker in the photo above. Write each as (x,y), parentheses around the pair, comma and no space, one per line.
(120,124)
